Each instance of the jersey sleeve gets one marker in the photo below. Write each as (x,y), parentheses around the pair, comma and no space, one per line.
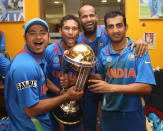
(145,72)
(100,67)
(49,58)
(4,63)
(26,78)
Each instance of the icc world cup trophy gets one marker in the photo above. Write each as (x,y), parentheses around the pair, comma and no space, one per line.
(81,58)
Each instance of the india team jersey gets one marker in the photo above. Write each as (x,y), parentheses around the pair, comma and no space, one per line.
(53,56)
(122,69)
(101,39)
(4,63)
(25,86)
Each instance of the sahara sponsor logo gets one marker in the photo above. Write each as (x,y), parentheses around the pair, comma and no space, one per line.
(26,84)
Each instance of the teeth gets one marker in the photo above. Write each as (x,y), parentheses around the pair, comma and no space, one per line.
(89,24)
(38,42)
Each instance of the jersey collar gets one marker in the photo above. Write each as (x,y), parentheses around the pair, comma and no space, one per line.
(39,61)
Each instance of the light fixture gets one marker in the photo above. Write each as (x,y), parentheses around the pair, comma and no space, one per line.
(118,1)
(103,1)
(56,2)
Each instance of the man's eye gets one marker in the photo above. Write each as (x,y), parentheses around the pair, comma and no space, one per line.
(66,28)
(92,15)
(110,26)
(43,32)
(74,29)
(119,25)
(85,16)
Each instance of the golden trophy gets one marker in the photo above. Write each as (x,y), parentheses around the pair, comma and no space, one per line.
(81,58)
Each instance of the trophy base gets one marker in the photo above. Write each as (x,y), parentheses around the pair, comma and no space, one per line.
(68,118)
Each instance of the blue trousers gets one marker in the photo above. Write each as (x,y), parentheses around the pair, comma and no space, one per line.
(123,121)
(90,110)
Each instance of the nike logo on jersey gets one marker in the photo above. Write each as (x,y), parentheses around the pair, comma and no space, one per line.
(147,62)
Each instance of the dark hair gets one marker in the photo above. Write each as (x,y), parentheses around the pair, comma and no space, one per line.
(69,17)
(86,5)
(113,14)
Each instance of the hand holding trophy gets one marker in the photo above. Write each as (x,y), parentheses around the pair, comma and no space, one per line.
(80,58)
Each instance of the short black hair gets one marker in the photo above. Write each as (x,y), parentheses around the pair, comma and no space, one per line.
(86,5)
(69,17)
(113,14)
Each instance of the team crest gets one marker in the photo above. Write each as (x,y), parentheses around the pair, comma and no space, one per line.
(131,57)
(109,59)
(56,60)
(101,44)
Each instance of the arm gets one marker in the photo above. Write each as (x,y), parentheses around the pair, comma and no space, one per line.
(52,87)
(141,47)
(130,89)
(46,105)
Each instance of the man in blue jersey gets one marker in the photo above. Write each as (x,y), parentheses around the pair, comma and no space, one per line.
(69,30)
(25,85)
(4,63)
(95,36)
(127,78)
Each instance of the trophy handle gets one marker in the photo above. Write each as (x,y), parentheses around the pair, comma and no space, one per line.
(82,77)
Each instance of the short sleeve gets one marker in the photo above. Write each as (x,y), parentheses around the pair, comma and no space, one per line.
(100,67)
(145,72)
(26,77)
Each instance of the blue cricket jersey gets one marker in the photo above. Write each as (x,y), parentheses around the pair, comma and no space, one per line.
(124,68)
(4,63)
(25,86)
(54,68)
(101,39)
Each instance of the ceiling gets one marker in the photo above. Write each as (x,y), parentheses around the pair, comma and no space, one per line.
(53,12)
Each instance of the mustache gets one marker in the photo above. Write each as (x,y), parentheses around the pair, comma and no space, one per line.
(116,34)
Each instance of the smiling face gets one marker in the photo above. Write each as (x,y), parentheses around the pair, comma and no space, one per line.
(37,38)
(69,33)
(88,19)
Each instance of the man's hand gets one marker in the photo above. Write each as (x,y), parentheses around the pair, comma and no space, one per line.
(64,81)
(95,76)
(72,81)
(99,86)
(141,47)
(74,94)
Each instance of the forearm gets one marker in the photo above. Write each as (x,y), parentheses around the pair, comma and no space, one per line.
(131,89)
(52,87)
(46,105)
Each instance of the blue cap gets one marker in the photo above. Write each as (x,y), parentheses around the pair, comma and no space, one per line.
(35,21)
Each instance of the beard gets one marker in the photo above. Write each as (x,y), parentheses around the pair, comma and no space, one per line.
(89,31)
(117,40)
